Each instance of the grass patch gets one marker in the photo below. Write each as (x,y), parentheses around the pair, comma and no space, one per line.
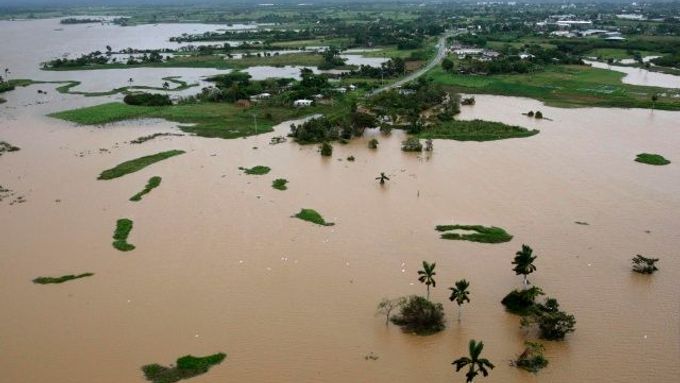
(153,183)
(652,159)
(206,119)
(137,164)
(187,367)
(258,170)
(280,184)
(476,130)
(123,229)
(62,279)
(311,215)
(143,139)
(6,147)
(482,234)
(563,86)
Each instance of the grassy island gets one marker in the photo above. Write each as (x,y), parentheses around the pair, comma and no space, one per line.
(476,130)
(62,279)
(280,184)
(311,215)
(474,233)
(153,183)
(258,170)
(123,229)
(652,159)
(187,367)
(137,164)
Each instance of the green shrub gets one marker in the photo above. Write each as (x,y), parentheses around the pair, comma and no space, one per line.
(123,229)
(153,183)
(521,301)
(373,144)
(137,164)
(187,367)
(553,323)
(532,358)
(280,184)
(483,234)
(420,316)
(147,99)
(326,149)
(62,279)
(311,215)
(652,159)
(256,170)
(412,144)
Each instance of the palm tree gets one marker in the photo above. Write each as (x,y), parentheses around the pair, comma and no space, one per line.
(460,294)
(427,276)
(655,98)
(524,263)
(382,178)
(476,363)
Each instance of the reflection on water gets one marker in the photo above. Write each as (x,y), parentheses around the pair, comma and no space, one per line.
(221,266)
(639,76)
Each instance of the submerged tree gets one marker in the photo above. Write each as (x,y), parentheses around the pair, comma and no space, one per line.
(524,263)
(426,276)
(326,149)
(382,178)
(386,306)
(420,316)
(553,323)
(531,359)
(460,294)
(474,362)
(644,265)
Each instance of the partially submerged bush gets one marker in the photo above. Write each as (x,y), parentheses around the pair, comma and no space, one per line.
(532,358)
(153,183)
(373,144)
(483,234)
(256,170)
(6,147)
(652,159)
(521,301)
(187,367)
(553,323)
(644,265)
(147,99)
(420,316)
(280,184)
(311,215)
(326,149)
(62,279)
(412,144)
(123,229)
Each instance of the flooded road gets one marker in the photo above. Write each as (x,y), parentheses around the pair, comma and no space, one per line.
(221,266)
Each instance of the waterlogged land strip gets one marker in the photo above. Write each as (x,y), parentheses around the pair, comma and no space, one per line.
(474,233)
(207,119)
(311,215)
(120,236)
(476,130)
(69,85)
(137,164)
(256,170)
(187,367)
(62,279)
(153,183)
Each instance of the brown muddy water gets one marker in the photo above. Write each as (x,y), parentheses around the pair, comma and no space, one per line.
(221,266)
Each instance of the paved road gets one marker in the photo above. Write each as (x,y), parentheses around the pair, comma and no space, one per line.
(441,53)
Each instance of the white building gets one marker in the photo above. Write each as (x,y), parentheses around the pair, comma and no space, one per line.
(302,103)
(261,96)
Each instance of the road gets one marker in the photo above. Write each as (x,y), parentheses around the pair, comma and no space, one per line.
(441,53)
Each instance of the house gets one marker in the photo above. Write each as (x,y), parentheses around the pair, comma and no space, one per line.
(302,103)
(340,90)
(352,87)
(261,96)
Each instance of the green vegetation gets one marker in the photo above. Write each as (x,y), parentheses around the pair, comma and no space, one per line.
(475,130)
(531,359)
(257,170)
(153,183)
(62,279)
(6,147)
(326,149)
(562,86)
(552,323)
(474,362)
(187,367)
(203,119)
(460,294)
(147,99)
(143,139)
(426,276)
(280,184)
(123,229)
(412,144)
(420,316)
(483,234)
(137,164)
(644,265)
(311,215)
(521,301)
(652,159)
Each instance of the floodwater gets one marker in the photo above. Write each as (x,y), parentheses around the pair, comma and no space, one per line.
(221,266)
(639,76)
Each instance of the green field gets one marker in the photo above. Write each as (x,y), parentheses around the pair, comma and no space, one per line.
(617,54)
(207,119)
(562,86)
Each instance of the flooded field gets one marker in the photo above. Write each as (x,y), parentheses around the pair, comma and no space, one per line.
(220,265)
(639,76)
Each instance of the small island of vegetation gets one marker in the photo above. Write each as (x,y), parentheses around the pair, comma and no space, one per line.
(153,183)
(186,367)
(120,236)
(61,279)
(474,233)
(311,215)
(137,164)
(652,159)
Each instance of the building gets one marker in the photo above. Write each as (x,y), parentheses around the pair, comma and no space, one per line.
(302,103)
(261,96)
